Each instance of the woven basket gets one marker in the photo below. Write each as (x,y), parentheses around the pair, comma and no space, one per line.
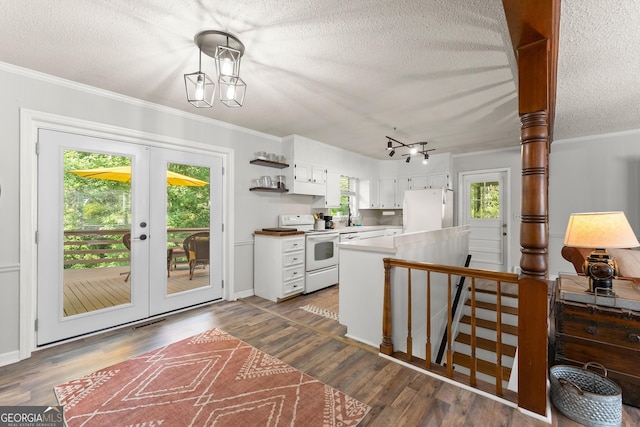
(585,396)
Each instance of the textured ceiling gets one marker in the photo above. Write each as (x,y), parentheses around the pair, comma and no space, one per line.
(344,73)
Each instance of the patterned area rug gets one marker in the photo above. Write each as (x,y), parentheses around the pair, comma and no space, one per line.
(206,380)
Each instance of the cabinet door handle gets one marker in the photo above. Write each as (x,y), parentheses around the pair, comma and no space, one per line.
(592,330)
(634,338)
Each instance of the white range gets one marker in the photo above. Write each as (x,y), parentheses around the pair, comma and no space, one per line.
(321,252)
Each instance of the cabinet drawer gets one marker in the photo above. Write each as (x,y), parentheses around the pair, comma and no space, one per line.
(599,325)
(293,286)
(610,356)
(293,258)
(293,244)
(293,273)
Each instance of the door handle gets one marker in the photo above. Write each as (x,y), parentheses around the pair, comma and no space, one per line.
(142,237)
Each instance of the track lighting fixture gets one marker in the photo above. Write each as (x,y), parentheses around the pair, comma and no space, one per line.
(413,150)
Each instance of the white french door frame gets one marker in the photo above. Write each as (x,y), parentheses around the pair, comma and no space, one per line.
(463,197)
(30,122)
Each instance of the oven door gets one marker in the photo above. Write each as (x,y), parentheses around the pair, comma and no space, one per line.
(321,250)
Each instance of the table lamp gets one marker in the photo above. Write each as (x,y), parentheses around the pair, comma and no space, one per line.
(600,230)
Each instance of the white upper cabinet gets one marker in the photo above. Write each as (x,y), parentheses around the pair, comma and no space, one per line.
(434,180)
(402,185)
(307,176)
(332,199)
(387,192)
(367,194)
(308,179)
(332,190)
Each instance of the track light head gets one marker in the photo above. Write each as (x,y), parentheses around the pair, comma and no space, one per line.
(408,159)
(389,145)
(392,152)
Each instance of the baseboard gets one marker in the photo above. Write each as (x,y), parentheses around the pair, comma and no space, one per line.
(9,358)
(243,294)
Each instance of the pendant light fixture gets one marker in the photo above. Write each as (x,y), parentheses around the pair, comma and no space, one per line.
(227,50)
(200,88)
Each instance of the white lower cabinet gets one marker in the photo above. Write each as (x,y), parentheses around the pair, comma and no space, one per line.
(278,266)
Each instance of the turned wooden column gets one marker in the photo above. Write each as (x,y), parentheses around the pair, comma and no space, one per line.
(534,228)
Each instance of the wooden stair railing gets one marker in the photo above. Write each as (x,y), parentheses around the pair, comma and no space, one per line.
(531,330)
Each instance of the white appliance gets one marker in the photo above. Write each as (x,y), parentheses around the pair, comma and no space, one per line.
(425,210)
(321,252)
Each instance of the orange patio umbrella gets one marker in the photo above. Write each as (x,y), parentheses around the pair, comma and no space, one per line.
(123,174)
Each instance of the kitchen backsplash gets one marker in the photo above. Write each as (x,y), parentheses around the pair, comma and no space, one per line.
(381,217)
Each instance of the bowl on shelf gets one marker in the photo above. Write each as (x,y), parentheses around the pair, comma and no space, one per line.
(260,155)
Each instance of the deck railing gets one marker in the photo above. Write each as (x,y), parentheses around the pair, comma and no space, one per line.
(532,328)
(105,247)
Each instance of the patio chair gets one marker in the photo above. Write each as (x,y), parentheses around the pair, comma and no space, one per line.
(196,248)
(126,239)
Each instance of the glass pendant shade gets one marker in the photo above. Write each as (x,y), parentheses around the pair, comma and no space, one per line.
(232,90)
(200,89)
(227,61)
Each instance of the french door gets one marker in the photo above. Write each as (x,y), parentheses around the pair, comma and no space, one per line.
(112,221)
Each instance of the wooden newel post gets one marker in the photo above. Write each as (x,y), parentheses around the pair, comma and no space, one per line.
(386,347)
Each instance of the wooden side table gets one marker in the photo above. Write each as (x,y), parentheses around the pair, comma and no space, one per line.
(595,328)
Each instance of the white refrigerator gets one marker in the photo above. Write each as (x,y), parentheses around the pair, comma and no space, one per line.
(424,210)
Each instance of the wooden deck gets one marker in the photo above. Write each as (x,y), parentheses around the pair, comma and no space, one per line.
(93,289)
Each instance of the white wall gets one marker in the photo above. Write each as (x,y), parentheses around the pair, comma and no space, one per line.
(592,174)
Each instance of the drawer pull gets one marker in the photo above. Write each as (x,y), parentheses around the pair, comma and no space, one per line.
(592,330)
(634,338)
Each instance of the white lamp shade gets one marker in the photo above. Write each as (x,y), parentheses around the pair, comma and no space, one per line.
(600,230)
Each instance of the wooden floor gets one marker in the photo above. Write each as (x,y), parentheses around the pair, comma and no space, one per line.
(399,396)
(98,288)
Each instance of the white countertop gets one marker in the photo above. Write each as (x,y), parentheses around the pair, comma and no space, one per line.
(357,228)
(391,244)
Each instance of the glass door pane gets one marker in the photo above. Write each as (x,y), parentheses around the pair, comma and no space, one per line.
(188,222)
(97,218)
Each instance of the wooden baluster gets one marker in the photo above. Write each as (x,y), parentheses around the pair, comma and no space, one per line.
(409,337)
(449,334)
(474,362)
(386,347)
(427,352)
(498,339)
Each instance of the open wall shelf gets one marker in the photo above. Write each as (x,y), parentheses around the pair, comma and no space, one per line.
(269,163)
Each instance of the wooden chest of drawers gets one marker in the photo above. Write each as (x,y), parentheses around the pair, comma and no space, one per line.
(587,332)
